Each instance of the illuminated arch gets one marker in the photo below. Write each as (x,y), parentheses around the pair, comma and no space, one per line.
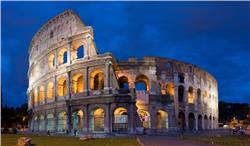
(142,83)
(35,97)
(77,50)
(170,89)
(51,61)
(205,98)
(199,96)
(41,95)
(50,122)
(97,119)
(50,90)
(62,122)
(62,86)
(97,80)
(123,82)
(190,95)
(77,120)
(41,123)
(62,56)
(162,119)
(120,120)
(77,83)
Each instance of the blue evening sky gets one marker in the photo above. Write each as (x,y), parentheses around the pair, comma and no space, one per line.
(213,35)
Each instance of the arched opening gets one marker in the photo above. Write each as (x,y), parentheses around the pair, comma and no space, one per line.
(41,123)
(36,126)
(170,89)
(35,97)
(200,122)
(97,120)
(141,83)
(145,118)
(62,86)
(205,98)
(80,52)
(120,120)
(205,122)
(162,119)
(97,80)
(191,121)
(77,120)
(51,61)
(77,83)
(181,122)
(41,95)
(62,56)
(51,123)
(181,78)
(50,91)
(123,82)
(62,122)
(199,96)
(181,91)
(210,122)
(190,95)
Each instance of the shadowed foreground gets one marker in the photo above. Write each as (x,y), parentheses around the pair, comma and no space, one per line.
(11,139)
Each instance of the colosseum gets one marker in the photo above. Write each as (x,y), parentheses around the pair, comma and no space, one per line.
(74,88)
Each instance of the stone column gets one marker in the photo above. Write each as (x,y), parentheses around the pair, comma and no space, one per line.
(69,113)
(186,120)
(86,119)
(56,58)
(153,120)
(69,86)
(196,121)
(55,120)
(86,81)
(45,93)
(131,118)
(69,52)
(55,89)
(107,77)
(107,118)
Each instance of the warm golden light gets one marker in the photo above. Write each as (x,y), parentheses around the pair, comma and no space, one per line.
(51,60)
(62,87)
(97,80)
(41,95)
(77,83)
(170,89)
(50,90)
(61,55)
(190,95)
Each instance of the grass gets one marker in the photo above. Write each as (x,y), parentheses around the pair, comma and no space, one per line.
(11,139)
(225,140)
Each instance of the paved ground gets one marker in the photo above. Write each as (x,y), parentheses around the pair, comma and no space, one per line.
(170,141)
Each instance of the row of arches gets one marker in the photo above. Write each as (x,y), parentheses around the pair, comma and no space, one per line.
(141,82)
(97,120)
(203,122)
(190,95)
(77,86)
(77,52)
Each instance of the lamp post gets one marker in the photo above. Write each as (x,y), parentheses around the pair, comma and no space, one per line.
(23,122)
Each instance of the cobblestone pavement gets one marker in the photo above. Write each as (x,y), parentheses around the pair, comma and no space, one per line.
(170,141)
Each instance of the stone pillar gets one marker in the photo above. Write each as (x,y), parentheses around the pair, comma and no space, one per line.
(55,120)
(45,93)
(153,120)
(107,77)
(69,52)
(69,86)
(107,118)
(55,89)
(186,121)
(196,121)
(131,118)
(56,58)
(86,81)
(86,119)
(69,117)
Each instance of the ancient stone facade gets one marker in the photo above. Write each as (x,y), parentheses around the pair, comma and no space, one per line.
(72,87)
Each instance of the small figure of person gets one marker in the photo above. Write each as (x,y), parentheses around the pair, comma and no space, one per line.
(48,133)
(75,132)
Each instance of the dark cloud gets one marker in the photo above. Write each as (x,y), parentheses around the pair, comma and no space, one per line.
(212,35)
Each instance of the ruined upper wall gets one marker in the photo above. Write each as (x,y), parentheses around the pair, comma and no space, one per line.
(55,30)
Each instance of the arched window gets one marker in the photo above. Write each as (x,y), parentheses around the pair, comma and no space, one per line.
(77,120)
(62,87)
(123,82)
(62,122)
(97,80)
(199,96)
(200,122)
(51,122)
(181,120)
(77,83)
(62,56)
(41,123)
(190,95)
(51,61)
(181,78)
(41,95)
(35,97)
(162,119)
(120,120)
(181,91)
(205,98)
(191,121)
(142,83)
(50,90)
(97,119)
(80,52)
(170,89)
